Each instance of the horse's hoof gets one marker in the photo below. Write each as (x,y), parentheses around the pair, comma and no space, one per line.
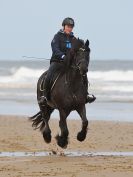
(81,136)
(62,141)
(47,137)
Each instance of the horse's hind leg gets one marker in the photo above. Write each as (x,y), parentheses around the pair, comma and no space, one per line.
(62,140)
(46,112)
(82,134)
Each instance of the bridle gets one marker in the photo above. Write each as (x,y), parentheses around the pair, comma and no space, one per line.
(76,64)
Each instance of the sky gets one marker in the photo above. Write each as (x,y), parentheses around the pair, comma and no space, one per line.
(28,26)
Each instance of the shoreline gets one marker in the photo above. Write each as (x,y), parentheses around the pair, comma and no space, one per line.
(73,116)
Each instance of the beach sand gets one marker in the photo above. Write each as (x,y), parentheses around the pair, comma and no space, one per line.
(16,134)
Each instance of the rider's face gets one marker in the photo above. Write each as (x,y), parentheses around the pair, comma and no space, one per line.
(68,29)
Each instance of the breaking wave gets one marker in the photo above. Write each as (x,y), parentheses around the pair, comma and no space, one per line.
(25,77)
(113,75)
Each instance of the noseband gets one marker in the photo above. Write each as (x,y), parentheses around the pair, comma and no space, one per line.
(76,66)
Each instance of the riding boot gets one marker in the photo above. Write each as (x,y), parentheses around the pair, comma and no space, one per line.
(90,98)
(45,96)
(42,100)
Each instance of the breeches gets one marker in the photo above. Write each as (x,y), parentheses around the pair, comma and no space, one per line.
(54,69)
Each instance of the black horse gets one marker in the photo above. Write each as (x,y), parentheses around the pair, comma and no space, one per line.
(67,94)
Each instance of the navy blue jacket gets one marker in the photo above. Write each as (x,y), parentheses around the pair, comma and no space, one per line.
(60,44)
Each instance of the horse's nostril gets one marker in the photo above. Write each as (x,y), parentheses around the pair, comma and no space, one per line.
(82,72)
(85,70)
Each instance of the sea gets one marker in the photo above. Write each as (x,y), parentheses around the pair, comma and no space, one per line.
(111,81)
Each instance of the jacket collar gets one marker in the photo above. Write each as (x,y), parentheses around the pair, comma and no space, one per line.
(62,31)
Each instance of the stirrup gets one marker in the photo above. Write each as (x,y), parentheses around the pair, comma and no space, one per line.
(90,99)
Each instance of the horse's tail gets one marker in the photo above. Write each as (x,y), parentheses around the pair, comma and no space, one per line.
(37,121)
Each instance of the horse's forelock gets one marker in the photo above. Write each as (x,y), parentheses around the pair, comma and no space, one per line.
(82,42)
(77,43)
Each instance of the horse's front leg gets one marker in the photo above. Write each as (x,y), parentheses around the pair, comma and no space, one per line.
(62,139)
(82,134)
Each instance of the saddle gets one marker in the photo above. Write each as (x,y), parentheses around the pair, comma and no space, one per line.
(52,81)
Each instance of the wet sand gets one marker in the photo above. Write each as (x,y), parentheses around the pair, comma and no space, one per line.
(16,134)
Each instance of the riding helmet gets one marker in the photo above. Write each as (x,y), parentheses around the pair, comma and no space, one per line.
(68,21)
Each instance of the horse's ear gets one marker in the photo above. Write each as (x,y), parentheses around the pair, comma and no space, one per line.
(87,43)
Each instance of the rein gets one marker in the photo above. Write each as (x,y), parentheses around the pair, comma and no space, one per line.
(76,66)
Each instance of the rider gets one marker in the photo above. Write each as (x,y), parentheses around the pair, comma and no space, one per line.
(60,44)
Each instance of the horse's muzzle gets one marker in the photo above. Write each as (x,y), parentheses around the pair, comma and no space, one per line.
(83,70)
